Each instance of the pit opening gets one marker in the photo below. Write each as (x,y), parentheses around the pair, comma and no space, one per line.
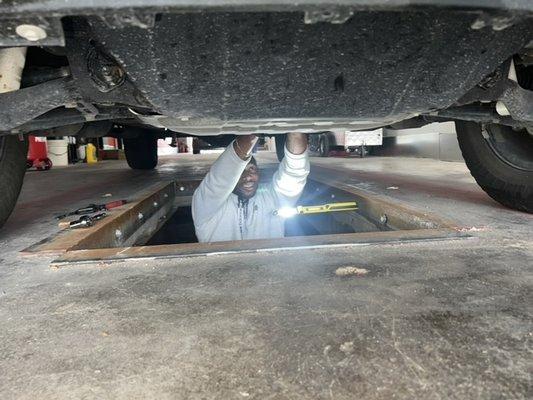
(179,226)
(159,225)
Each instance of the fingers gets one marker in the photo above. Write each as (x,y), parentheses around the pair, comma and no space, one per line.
(296,142)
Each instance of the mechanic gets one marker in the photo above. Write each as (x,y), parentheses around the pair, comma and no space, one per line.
(230,204)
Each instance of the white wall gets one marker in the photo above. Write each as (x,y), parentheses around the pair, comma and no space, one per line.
(437,140)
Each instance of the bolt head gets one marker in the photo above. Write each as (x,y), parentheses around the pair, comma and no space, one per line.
(33,33)
(502,109)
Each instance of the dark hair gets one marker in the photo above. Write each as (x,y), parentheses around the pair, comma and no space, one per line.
(253,161)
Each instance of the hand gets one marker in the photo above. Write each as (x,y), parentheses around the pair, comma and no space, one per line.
(243,146)
(296,143)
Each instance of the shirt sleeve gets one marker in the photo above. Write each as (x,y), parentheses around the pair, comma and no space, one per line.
(217,185)
(289,180)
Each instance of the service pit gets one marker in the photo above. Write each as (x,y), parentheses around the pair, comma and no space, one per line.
(159,225)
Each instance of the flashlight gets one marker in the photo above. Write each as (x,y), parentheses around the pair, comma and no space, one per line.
(288,212)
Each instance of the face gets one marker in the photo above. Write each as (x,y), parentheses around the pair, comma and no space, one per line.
(248,183)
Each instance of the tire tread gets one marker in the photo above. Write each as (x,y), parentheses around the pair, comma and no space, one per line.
(12,170)
(493,177)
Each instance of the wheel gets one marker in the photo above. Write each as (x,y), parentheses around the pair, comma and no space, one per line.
(280,146)
(196,146)
(324,146)
(13,153)
(141,151)
(500,159)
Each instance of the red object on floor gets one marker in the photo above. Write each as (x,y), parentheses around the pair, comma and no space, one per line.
(43,164)
(38,154)
(37,149)
(40,164)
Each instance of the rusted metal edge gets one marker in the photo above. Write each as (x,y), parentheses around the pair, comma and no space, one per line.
(398,214)
(114,255)
(104,233)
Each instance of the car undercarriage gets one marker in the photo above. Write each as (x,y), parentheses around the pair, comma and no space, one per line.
(270,72)
(207,68)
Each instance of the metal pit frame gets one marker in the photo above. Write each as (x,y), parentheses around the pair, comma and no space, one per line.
(121,235)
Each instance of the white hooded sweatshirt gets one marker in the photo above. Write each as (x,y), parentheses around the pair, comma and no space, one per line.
(218,214)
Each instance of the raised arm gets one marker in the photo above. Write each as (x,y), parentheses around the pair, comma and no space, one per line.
(289,180)
(221,179)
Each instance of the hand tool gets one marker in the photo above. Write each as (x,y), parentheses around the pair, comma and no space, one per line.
(83,222)
(91,208)
(287,212)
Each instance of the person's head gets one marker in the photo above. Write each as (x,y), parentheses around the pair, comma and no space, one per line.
(248,182)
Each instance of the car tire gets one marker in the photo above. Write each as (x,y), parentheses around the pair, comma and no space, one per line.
(141,151)
(13,154)
(501,161)
(280,146)
(324,146)
(195,146)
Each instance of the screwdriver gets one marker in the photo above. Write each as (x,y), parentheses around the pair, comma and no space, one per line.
(83,222)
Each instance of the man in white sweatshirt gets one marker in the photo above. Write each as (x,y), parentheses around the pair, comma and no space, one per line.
(230,204)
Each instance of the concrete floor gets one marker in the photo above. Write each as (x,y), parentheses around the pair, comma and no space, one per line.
(447,319)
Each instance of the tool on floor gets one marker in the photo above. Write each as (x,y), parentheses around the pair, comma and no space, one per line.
(84,221)
(40,164)
(288,212)
(92,208)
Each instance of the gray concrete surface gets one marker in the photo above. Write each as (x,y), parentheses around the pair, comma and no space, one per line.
(438,320)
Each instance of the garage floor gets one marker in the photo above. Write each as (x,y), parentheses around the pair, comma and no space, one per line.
(445,319)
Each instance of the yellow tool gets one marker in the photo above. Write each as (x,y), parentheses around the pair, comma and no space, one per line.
(287,212)
(91,154)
